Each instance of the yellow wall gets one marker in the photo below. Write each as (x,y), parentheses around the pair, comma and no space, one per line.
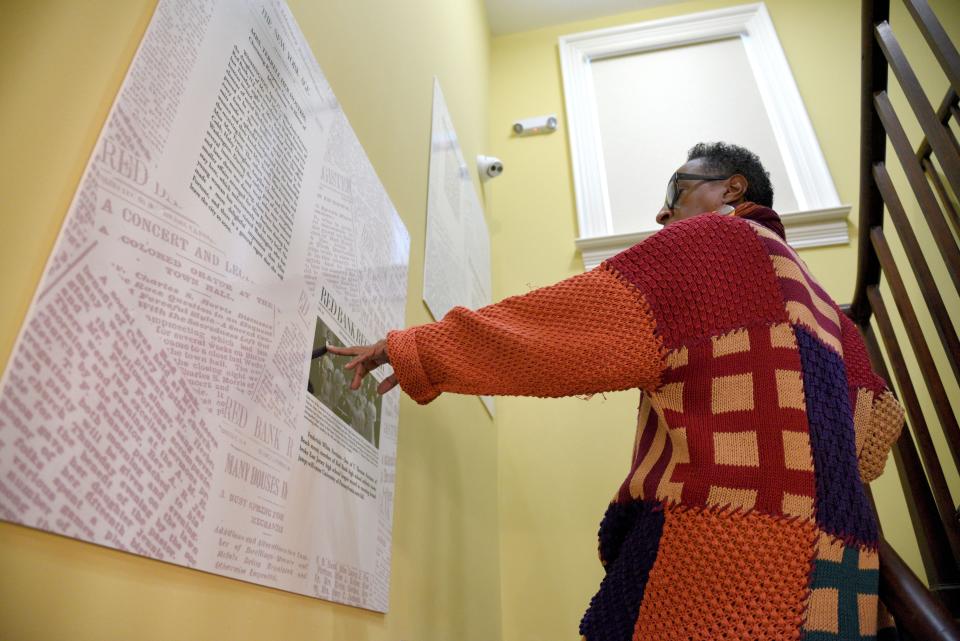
(561,461)
(61,64)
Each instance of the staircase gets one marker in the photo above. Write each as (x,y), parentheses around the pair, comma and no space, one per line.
(929,176)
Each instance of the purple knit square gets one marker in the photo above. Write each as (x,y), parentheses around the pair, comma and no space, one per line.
(842,506)
(629,540)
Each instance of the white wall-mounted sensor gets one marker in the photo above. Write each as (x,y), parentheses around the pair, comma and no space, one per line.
(489,167)
(536,125)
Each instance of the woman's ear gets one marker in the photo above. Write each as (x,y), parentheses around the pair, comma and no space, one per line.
(736,189)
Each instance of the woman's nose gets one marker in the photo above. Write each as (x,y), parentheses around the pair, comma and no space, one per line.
(663,215)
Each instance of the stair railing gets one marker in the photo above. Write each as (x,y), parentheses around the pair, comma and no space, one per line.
(933,174)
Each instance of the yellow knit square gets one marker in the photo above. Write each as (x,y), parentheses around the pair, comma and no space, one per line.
(790,389)
(796,451)
(670,491)
(734,342)
(732,393)
(822,610)
(669,397)
(797,505)
(829,548)
(736,448)
(867,614)
(736,497)
(868,560)
(677,357)
(781,335)
(862,416)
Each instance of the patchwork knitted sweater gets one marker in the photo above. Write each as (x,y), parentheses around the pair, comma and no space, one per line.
(744,514)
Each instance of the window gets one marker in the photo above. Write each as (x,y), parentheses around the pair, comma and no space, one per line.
(638,96)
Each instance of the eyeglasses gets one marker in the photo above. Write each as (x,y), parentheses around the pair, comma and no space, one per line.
(674,191)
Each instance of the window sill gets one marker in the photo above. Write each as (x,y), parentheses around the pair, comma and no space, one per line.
(805,229)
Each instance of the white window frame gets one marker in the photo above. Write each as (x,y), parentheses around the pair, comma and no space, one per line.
(820,218)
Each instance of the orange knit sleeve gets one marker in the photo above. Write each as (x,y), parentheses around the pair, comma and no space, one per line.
(590,333)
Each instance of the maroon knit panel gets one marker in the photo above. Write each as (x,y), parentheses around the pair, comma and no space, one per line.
(856,360)
(703,276)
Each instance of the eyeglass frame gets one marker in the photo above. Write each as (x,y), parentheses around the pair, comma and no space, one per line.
(671,203)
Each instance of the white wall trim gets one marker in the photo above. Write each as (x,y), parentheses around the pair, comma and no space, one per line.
(806,167)
(813,228)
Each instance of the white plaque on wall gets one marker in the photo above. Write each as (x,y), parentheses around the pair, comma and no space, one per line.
(456,267)
(161,397)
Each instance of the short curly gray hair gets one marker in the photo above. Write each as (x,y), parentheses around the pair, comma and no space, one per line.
(730,159)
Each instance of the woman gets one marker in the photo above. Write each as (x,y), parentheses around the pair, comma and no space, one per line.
(744,514)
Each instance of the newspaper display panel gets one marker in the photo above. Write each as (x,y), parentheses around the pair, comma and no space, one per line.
(161,397)
(456,266)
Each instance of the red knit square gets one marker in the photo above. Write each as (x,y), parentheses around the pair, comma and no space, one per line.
(702,276)
(728,427)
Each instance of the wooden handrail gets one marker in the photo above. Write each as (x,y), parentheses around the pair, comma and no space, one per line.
(909,601)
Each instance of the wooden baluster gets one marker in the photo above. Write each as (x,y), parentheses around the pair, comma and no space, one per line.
(948,206)
(946,110)
(938,561)
(921,188)
(937,39)
(928,368)
(908,395)
(922,109)
(928,286)
(873,148)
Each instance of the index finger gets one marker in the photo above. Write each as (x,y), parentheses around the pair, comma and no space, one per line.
(345,351)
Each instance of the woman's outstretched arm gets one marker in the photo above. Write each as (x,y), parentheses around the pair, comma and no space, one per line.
(590,333)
